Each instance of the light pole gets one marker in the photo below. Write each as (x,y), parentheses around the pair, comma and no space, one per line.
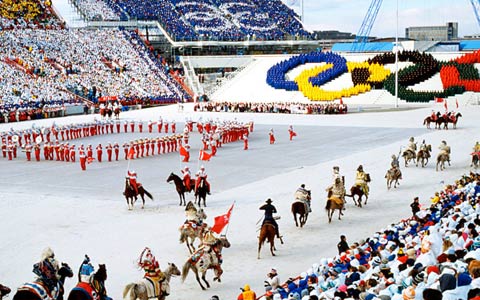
(396,62)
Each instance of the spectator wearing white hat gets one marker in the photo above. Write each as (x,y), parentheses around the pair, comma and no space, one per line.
(273,281)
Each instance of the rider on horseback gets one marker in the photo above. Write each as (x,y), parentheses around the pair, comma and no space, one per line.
(412,146)
(476,149)
(361,178)
(86,270)
(444,149)
(132,177)
(268,217)
(302,194)
(151,267)
(47,269)
(337,192)
(202,174)
(395,164)
(424,149)
(191,213)
(433,116)
(186,178)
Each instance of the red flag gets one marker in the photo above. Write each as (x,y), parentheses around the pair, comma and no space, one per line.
(131,153)
(183,151)
(90,160)
(456,102)
(445,104)
(222,221)
(341,101)
(438,100)
(204,155)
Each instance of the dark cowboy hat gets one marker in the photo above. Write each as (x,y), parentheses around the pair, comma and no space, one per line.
(269,201)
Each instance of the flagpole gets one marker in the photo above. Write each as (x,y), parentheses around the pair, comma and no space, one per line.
(230,217)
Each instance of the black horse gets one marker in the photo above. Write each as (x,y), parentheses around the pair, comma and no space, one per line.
(180,187)
(131,195)
(201,193)
(4,290)
(97,284)
(28,291)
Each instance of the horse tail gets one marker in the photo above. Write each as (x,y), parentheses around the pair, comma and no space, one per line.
(129,288)
(186,267)
(328,205)
(148,194)
(183,236)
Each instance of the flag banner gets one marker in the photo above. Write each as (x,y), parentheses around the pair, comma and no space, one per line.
(456,103)
(204,155)
(183,151)
(445,104)
(438,100)
(222,221)
(131,153)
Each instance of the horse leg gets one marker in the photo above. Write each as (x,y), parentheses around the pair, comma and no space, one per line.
(198,279)
(143,201)
(271,240)
(205,279)
(205,201)
(329,214)
(259,248)
(295,218)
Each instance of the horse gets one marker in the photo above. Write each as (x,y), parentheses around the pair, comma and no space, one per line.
(139,290)
(201,193)
(408,155)
(188,233)
(180,187)
(441,159)
(429,120)
(267,232)
(475,160)
(199,262)
(454,121)
(392,176)
(301,208)
(4,291)
(423,155)
(355,190)
(84,291)
(131,195)
(331,206)
(30,290)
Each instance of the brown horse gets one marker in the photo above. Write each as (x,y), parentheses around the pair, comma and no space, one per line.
(301,207)
(139,290)
(408,155)
(267,232)
(4,290)
(97,284)
(441,159)
(180,187)
(392,176)
(131,195)
(423,156)
(30,290)
(201,261)
(357,191)
(331,207)
(475,161)
(116,113)
(429,120)
(453,121)
(189,233)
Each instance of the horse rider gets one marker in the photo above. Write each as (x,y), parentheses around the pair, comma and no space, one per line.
(395,166)
(268,217)
(191,214)
(186,178)
(208,241)
(424,148)
(361,179)
(86,270)
(150,265)
(302,194)
(433,116)
(412,146)
(46,270)
(132,178)
(337,192)
(444,149)
(476,149)
(202,174)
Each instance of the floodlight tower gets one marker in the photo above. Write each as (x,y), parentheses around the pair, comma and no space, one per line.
(476,9)
(367,24)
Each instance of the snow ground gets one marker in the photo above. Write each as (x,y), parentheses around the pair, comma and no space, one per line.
(56,204)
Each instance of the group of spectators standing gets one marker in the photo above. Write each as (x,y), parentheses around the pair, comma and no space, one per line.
(272,107)
(432,255)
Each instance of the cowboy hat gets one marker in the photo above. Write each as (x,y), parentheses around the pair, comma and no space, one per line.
(269,201)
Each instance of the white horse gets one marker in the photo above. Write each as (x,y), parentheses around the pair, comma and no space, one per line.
(139,290)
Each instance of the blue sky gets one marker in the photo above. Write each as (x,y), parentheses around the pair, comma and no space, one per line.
(347,15)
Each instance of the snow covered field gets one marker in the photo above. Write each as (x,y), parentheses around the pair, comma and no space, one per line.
(56,204)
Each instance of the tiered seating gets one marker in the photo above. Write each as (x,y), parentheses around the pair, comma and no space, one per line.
(97,10)
(27,14)
(42,65)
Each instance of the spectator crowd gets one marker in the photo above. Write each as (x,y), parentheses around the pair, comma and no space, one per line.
(263,107)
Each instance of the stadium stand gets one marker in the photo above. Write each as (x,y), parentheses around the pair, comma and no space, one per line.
(27,14)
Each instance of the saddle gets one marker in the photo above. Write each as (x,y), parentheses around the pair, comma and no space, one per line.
(86,289)
(39,289)
(154,287)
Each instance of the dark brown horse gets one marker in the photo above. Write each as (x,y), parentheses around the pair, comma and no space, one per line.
(357,191)
(97,285)
(201,261)
(444,120)
(180,187)
(201,193)
(116,113)
(300,207)
(475,161)
(392,176)
(4,290)
(30,290)
(429,120)
(331,207)
(267,232)
(423,156)
(131,195)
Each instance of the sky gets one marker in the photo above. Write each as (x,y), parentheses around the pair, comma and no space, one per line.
(347,15)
